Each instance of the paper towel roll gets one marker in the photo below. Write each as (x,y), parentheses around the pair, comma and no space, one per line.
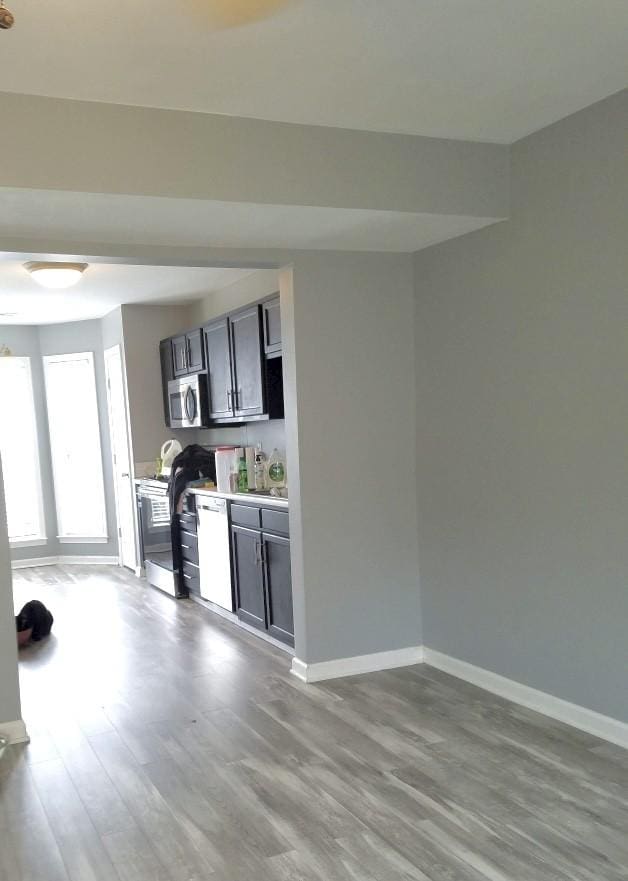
(250,466)
(224,466)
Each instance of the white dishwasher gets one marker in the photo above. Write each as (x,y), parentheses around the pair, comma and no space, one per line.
(213,551)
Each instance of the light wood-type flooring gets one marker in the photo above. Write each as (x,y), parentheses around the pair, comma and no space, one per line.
(169,745)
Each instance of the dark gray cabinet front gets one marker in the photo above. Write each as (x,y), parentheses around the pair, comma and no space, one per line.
(247,555)
(187,353)
(167,374)
(195,351)
(261,572)
(272,327)
(218,355)
(278,587)
(180,355)
(246,355)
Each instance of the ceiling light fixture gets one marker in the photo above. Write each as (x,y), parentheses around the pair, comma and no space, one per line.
(6,17)
(56,275)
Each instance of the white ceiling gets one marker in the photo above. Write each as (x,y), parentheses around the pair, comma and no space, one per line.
(474,69)
(102,288)
(151,220)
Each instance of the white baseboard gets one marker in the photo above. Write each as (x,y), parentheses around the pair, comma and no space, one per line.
(358,664)
(65,561)
(590,721)
(15,731)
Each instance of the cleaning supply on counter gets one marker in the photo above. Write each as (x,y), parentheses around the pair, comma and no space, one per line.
(276,470)
(250,468)
(243,474)
(260,469)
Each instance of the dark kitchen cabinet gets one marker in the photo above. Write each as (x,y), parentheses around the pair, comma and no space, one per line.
(188,354)
(235,368)
(272,328)
(218,357)
(167,374)
(180,355)
(246,360)
(185,553)
(241,355)
(246,549)
(261,570)
(278,587)
(195,351)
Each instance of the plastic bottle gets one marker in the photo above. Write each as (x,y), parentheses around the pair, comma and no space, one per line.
(243,475)
(260,468)
(276,470)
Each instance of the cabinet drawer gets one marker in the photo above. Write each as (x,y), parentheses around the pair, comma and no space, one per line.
(187,521)
(190,577)
(189,546)
(275,521)
(245,515)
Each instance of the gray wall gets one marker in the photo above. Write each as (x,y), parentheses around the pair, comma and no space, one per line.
(57,339)
(9,686)
(350,426)
(522,359)
(143,327)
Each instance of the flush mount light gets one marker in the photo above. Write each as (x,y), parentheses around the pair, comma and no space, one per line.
(56,275)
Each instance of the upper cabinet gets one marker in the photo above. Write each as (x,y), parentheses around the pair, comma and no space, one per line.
(235,366)
(246,363)
(241,355)
(272,328)
(188,355)
(218,357)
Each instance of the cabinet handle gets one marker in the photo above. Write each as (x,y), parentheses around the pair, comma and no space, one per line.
(258,553)
(229,397)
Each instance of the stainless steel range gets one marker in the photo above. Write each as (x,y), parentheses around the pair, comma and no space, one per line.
(155,535)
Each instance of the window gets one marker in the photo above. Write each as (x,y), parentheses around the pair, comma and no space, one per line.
(20,453)
(75,447)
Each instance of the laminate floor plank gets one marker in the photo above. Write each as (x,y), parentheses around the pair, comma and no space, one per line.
(169,745)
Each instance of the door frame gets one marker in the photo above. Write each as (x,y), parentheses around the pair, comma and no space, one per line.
(114,353)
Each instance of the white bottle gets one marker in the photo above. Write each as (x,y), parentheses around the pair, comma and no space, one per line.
(260,469)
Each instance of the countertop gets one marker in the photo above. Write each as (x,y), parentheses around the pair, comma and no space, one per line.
(258,498)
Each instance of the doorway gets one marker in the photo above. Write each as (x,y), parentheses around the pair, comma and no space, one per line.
(120,454)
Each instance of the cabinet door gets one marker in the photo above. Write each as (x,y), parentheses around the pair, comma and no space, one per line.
(247,573)
(196,355)
(167,374)
(246,353)
(180,355)
(218,355)
(278,587)
(272,327)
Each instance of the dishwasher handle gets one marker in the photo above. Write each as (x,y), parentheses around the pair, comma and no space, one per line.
(218,506)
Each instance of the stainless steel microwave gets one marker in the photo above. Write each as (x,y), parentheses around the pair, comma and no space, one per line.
(187,401)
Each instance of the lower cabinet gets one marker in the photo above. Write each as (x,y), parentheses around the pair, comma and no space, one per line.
(263,584)
(278,587)
(246,544)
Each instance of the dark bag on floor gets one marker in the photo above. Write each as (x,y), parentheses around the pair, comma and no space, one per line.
(36,617)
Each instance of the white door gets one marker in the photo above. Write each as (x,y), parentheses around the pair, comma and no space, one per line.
(122,477)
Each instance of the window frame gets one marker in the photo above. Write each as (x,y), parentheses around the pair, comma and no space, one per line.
(40,538)
(64,537)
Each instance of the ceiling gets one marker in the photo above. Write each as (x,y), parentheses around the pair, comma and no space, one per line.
(152,220)
(103,287)
(473,69)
